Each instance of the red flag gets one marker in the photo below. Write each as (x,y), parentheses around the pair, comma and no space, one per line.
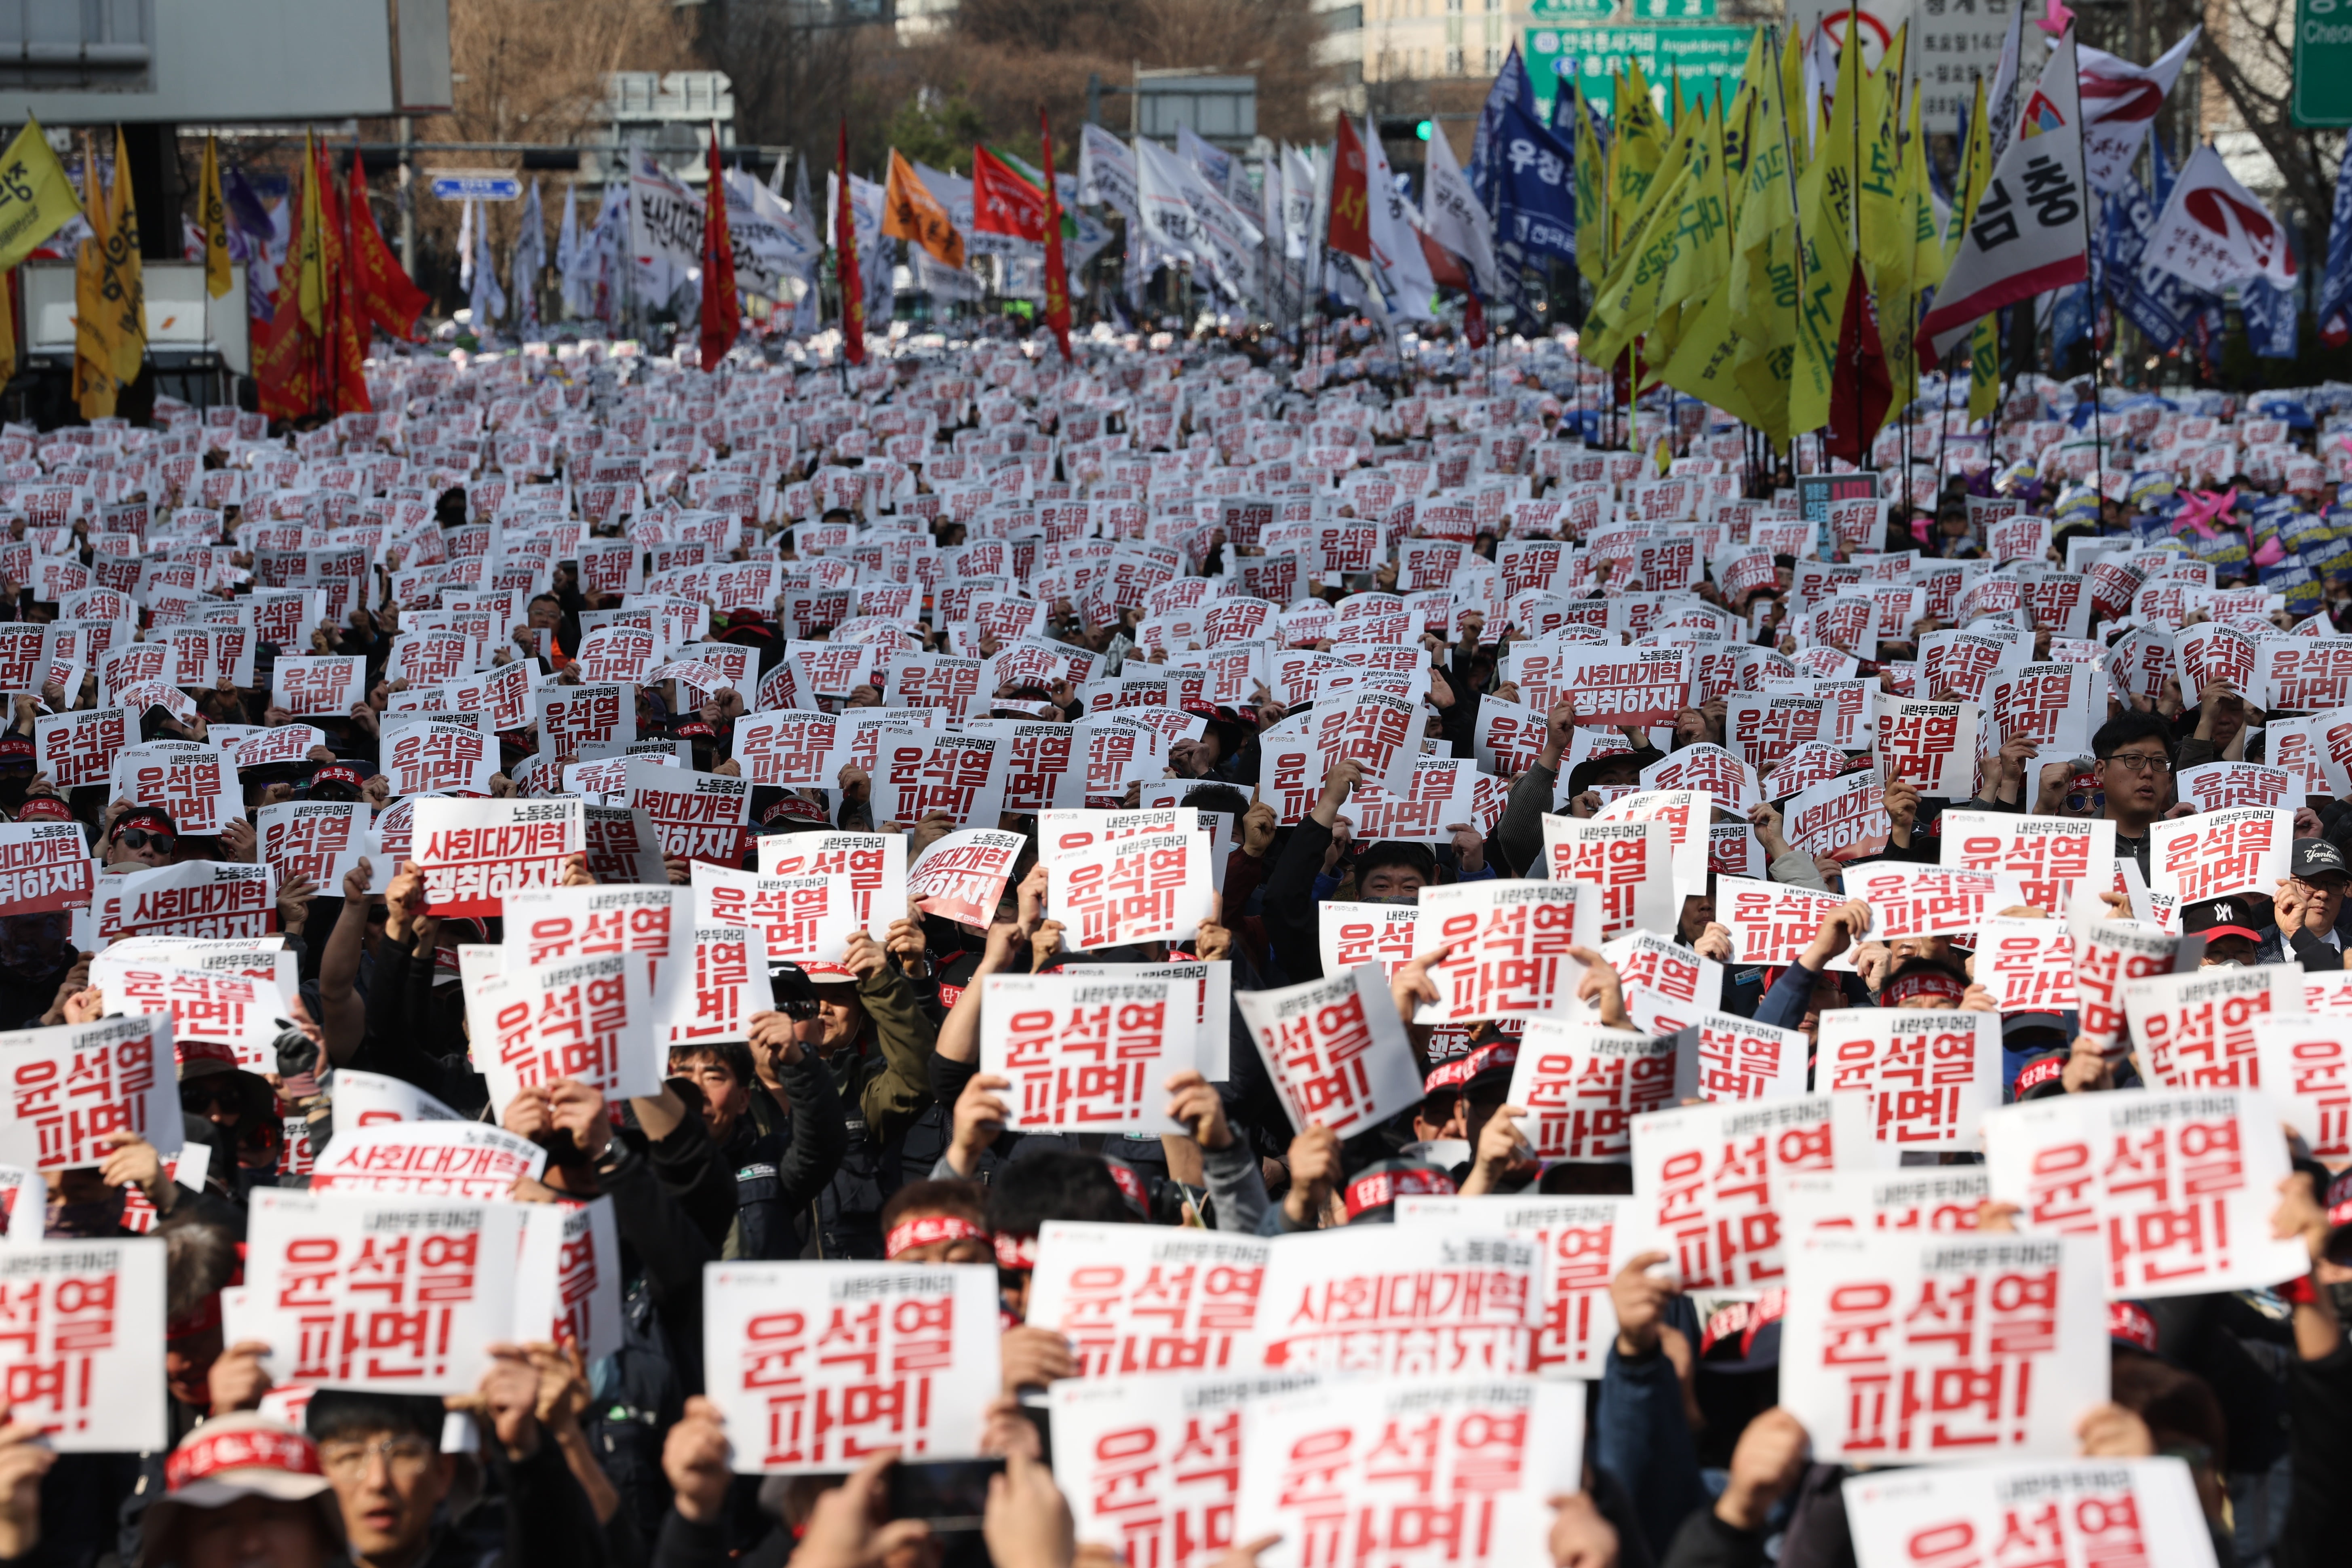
(722,312)
(1058,274)
(346,346)
(1863,390)
(285,357)
(387,297)
(845,264)
(1351,213)
(1003,202)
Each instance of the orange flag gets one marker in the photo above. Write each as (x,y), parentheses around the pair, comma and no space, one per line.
(283,350)
(1351,213)
(910,212)
(387,298)
(844,266)
(1058,275)
(722,312)
(346,326)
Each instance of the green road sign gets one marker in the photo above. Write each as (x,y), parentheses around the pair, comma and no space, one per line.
(1709,58)
(1674,10)
(2323,63)
(1571,10)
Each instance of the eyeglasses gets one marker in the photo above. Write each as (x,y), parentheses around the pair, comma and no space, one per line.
(141,839)
(2142,762)
(408,1455)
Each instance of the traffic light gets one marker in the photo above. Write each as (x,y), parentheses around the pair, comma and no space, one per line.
(1422,130)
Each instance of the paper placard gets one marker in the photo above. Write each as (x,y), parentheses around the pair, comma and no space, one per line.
(1375,1301)
(2141,1511)
(1929,1077)
(1084,1054)
(427,1158)
(86,1337)
(474,852)
(1148,1300)
(1507,946)
(961,877)
(1334,1049)
(1581,1086)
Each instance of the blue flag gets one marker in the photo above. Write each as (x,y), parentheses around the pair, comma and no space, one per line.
(2270,318)
(2335,309)
(1535,185)
(1511,86)
(2161,305)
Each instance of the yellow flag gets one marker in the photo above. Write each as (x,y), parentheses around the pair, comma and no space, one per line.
(1640,146)
(1825,229)
(214,215)
(1702,253)
(1885,221)
(1740,127)
(94,383)
(126,283)
(1592,185)
(1760,300)
(311,254)
(1898,304)
(1630,297)
(1976,168)
(36,199)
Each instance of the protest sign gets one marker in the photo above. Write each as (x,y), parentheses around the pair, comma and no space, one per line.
(1139,1299)
(1908,899)
(815,1366)
(197,898)
(2213,854)
(1581,1085)
(189,781)
(1706,768)
(568,1276)
(1687,812)
(237,1010)
(371,1099)
(2218,785)
(1844,818)
(959,776)
(2103,1510)
(1908,1348)
(727,983)
(378,1291)
(1625,686)
(1930,1076)
(621,845)
(435,758)
(961,877)
(1086,1055)
(1579,1243)
(1146,888)
(2027,965)
(1630,866)
(800,919)
(1208,985)
(2173,1191)
(320,842)
(550,924)
(474,852)
(2305,1065)
(427,1158)
(2196,1029)
(1345,1472)
(1382,1300)
(71,1085)
(2051,705)
(44,865)
(570,716)
(699,816)
(589,1018)
(1507,947)
(329,687)
(2050,857)
(1932,747)
(1347,934)
(1705,1179)
(1771,922)
(1334,1049)
(83,1320)
(80,748)
(1913,1198)
(875,863)
(788,750)
(1726,1059)
(1761,730)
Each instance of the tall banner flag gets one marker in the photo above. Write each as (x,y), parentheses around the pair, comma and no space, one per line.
(722,312)
(1351,214)
(844,266)
(2027,236)
(1058,277)
(126,286)
(94,384)
(36,199)
(2335,310)
(524,264)
(2214,232)
(212,213)
(386,296)
(1453,216)
(911,213)
(1003,202)
(2119,103)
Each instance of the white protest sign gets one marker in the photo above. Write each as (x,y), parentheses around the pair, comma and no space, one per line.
(2307,1066)
(1507,947)
(1929,1077)
(1381,1300)
(2196,1029)
(1726,1059)
(2060,1512)
(474,852)
(1630,865)
(1583,1084)
(1142,1300)
(1334,1049)
(85,1333)
(71,1085)
(1086,1055)
(2213,854)
(428,1159)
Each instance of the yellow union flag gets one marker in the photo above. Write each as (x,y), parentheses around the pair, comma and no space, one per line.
(36,199)
(214,215)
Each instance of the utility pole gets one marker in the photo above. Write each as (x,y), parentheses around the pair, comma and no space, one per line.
(407,196)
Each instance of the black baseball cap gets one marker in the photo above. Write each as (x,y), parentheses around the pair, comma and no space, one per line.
(2318,857)
(2219,916)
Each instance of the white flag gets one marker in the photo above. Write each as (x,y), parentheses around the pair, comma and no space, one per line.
(1454,216)
(1397,264)
(2119,103)
(2029,235)
(1168,220)
(664,229)
(2213,232)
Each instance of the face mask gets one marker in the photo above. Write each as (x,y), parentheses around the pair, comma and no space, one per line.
(101,1217)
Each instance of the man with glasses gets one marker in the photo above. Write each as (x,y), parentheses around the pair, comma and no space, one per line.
(141,840)
(2134,772)
(2309,903)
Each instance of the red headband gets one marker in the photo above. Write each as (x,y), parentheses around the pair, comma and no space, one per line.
(2132,1324)
(925,1229)
(246,1450)
(2038,1073)
(1374,1188)
(1921,982)
(1017,1253)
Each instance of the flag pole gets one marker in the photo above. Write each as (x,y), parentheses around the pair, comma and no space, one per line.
(2091,299)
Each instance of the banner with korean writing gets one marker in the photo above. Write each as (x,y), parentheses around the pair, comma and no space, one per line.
(2172,1191)
(550,924)
(961,877)
(1581,1085)
(1625,686)
(1146,1301)
(191,782)
(1388,1300)
(427,1158)
(1844,818)
(1688,813)
(83,1321)
(875,863)
(474,852)
(236,1010)
(71,1086)
(570,716)
(2307,1066)
(1347,934)
(1930,745)
(1630,866)
(2092,1511)
(196,898)
(1724,1058)
(2196,1029)
(377,1291)
(329,686)
(1929,1077)
(1771,922)
(2050,857)
(1507,947)
(1345,1472)
(44,865)
(816,1366)
(2213,854)
(1905,1349)
(2027,965)
(589,1018)
(2055,706)
(1086,1055)
(80,748)
(1916,1197)
(959,776)
(568,1275)
(1153,887)
(321,841)
(1910,900)
(1334,1049)
(726,985)
(700,816)
(1580,1242)
(1706,1179)
(1151,1466)
(800,919)
(785,750)
(421,759)
(2217,787)
(1761,730)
